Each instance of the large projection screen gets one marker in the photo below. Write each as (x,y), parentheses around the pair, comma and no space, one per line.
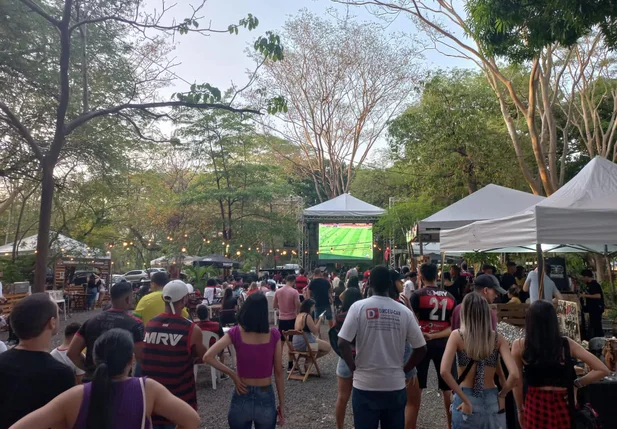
(346,241)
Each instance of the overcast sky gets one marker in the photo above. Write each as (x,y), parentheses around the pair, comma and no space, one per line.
(220,59)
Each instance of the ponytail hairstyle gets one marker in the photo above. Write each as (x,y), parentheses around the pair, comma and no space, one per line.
(112,353)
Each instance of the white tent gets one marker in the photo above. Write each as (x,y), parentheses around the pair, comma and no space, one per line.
(582,214)
(61,244)
(344,206)
(490,202)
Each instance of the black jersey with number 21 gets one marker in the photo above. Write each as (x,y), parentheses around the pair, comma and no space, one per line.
(433,307)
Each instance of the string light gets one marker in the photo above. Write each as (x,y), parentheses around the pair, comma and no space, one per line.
(184,249)
(238,253)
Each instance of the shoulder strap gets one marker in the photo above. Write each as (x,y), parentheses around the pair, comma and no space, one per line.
(143,396)
(569,364)
(466,372)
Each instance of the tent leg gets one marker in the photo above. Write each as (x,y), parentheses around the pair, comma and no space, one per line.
(540,270)
(610,273)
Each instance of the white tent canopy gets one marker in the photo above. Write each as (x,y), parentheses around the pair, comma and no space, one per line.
(490,202)
(345,206)
(61,244)
(583,214)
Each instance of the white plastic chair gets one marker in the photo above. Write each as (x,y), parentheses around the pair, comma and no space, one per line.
(57,296)
(207,336)
(272,312)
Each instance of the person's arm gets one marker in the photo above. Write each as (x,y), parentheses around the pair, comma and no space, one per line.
(513,370)
(54,414)
(210,359)
(446,371)
(417,342)
(346,335)
(598,369)
(138,340)
(526,286)
(441,334)
(172,408)
(78,343)
(342,295)
(517,356)
(278,378)
(197,342)
(298,304)
(312,325)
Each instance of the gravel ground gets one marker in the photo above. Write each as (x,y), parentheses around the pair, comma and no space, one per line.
(309,405)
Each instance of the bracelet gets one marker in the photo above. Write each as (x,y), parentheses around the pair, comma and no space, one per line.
(577,383)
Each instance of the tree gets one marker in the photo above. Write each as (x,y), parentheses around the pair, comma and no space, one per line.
(453,140)
(81,97)
(536,99)
(342,81)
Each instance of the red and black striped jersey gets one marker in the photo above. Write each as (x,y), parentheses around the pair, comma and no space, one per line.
(433,307)
(168,358)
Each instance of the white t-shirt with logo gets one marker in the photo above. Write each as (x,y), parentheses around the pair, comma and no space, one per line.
(381,326)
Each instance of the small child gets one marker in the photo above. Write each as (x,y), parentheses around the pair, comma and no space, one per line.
(513,294)
(59,353)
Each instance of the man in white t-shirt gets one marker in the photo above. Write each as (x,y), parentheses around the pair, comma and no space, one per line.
(410,283)
(380,327)
(59,353)
(532,285)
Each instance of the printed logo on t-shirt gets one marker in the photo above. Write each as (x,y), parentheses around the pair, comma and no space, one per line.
(162,338)
(372,313)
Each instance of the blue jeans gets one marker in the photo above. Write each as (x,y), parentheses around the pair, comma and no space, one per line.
(92,297)
(258,406)
(486,413)
(372,407)
(414,372)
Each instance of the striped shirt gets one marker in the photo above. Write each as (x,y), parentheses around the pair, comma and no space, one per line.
(168,359)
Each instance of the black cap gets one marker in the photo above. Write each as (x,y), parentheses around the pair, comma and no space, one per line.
(395,275)
(489,281)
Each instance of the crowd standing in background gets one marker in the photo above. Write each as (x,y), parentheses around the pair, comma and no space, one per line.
(386,327)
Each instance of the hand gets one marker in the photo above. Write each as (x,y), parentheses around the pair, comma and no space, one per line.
(281,419)
(428,337)
(404,300)
(465,408)
(501,401)
(521,419)
(240,386)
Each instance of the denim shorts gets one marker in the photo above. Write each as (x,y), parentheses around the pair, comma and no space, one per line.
(258,406)
(485,411)
(411,374)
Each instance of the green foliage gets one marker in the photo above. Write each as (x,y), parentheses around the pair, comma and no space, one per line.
(198,276)
(18,271)
(520,29)
(480,258)
(453,141)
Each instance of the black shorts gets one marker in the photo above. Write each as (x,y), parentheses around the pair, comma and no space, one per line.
(435,351)
(286,325)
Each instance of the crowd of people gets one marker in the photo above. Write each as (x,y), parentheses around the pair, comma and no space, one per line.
(385,326)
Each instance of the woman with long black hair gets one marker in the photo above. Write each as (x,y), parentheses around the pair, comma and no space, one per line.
(542,356)
(113,400)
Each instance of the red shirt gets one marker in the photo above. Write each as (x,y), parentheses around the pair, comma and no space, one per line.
(434,307)
(301,283)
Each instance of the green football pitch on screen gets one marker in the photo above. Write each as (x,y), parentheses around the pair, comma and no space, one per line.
(346,241)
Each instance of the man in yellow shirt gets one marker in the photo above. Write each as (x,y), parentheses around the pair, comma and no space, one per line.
(152,304)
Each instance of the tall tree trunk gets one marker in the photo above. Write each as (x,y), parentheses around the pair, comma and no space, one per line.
(42,245)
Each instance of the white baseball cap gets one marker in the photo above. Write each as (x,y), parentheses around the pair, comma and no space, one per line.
(190,288)
(174,291)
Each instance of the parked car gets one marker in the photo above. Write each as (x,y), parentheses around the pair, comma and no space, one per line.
(117,278)
(137,276)
(151,271)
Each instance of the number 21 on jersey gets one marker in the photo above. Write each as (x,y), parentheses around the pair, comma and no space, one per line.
(438,303)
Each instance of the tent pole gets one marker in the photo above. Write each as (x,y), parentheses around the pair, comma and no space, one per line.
(610,272)
(540,270)
(421,247)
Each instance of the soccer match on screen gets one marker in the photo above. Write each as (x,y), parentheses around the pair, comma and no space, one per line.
(346,241)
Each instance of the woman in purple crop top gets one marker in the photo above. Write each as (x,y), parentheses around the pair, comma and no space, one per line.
(113,400)
(258,350)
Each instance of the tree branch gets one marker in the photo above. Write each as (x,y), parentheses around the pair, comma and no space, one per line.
(23,131)
(36,8)
(82,119)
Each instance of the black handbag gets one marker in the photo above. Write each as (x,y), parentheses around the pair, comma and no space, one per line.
(581,416)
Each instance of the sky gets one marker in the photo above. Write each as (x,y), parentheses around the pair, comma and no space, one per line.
(220,59)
